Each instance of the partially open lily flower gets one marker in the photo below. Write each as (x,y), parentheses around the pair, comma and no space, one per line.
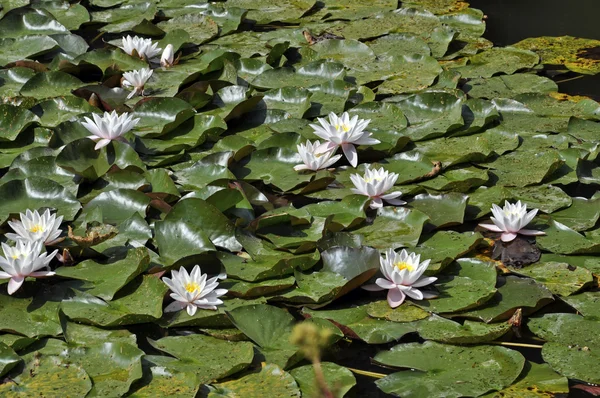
(109,127)
(313,160)
(34,227)
(375,184)
(136,79)
(344,132)
(193,291)
(144,48)
(167,57)
(22,261)
(403,275)
(511,220)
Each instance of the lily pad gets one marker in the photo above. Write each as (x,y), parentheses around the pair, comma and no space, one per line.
(479,369)
(446,331)
(271,381)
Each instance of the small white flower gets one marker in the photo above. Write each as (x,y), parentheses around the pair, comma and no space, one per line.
(144,48)
(193,291)
(403,275)
(344,132)
(166,60)
(109,127)
(136,79)
(22,261)
(375,184)
(511,220)
(34,227)
(313,160)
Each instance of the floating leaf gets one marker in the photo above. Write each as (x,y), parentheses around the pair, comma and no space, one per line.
(479,369)
(446,331)
(270,381)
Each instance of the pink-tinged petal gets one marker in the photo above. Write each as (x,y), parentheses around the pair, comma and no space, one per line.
(94,138)
(531,232)
(325,147)
(101,144)
(372,288)
(191,309)
(429,295)
(395,297)
(384,283)
(41,274)
(350,153)
(4,275)
(508,236)
(376,203)
(15,283)
(424,281)
(366,140)
(301,167)
(414,293)
(395,202)
(392,195)
(491,227)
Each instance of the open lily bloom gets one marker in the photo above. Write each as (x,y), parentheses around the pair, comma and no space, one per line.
(109,127)
(22,261)
(136,79)
(144,48)
(403,275)
(166,59)
(344,132)
(375,184)
(314,160)
(193,291)
(34,227)
(511,220)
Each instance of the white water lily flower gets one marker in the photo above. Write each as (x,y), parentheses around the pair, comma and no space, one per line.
(166,60)
(22,261)
(136,79)
(193,291)
(109,127)
(511,220)
(34,227)
(313,160)
(403,275)
(374,184)
(144,48)
(344,132)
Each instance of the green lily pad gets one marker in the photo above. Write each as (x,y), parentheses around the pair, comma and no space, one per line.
(139,302)
(208,357)
(513,293)
(442,210)
(108,279)
(156,382)
(560,278)
(192,227)
(561,239)
(269,327)
(446,331)
(467,283)
(85,335)
(199,27)
(498,59)
(356,323)
(537,380)
(8,359)
(585,303)
(479,369)
(523,168)
(404,313)
(47,376)
(256,289)
(509,86)
(50,84)
(308,75)
(14,120)
(566,51)
(28,21)
(572,348)
(581,215)
(394,227)
(271,381)
(339,379)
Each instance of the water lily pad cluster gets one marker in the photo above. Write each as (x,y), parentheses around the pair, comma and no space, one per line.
(207,177)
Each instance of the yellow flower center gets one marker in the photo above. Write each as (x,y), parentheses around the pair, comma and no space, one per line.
(15,256)
(191,287)
(344,127)
(369,180)
(404,265)
(36,229)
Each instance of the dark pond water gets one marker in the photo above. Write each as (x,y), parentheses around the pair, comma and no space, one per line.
(510,21)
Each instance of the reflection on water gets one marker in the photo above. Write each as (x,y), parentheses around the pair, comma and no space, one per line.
(510,21)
